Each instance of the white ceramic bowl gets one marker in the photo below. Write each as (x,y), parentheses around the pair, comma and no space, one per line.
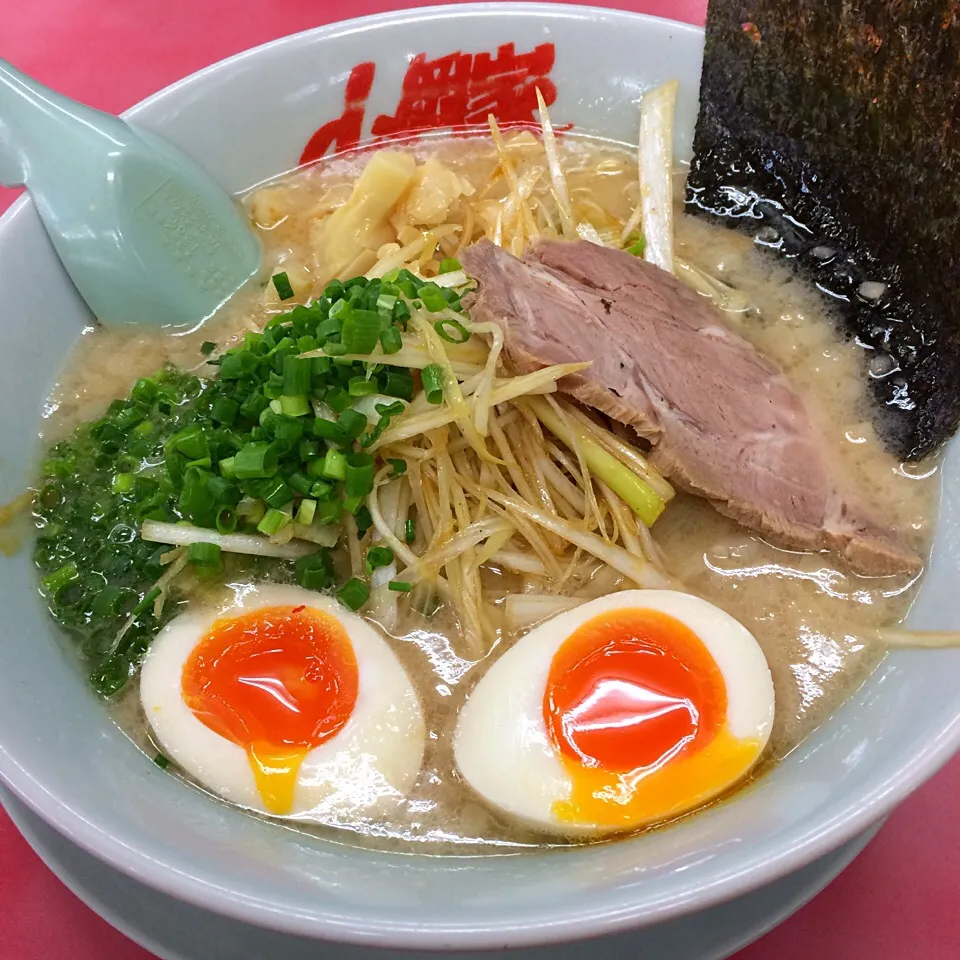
(249,118)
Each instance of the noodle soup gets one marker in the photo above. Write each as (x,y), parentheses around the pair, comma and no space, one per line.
(451,444)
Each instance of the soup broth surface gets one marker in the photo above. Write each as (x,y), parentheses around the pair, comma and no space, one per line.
(813,619)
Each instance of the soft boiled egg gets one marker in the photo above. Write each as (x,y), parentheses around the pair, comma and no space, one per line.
(285,702)
(628,710)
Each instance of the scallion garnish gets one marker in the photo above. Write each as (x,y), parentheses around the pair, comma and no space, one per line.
(450,265)
(297,372)
(353,594)
(378,557)
(390,340)
(398,466)
(398,383)
(432,377)
(204,554)
(334,465)
(460,333)
(400,586)
(282,284)
(358,475)
(410,531)
(361,331)
(254,460)
(432,297)
(273,522)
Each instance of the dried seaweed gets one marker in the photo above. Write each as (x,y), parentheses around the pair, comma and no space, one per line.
(832,131)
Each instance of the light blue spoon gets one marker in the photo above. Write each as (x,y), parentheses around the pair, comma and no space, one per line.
(146,235)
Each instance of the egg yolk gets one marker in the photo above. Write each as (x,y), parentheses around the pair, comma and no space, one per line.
(278,682)
(636,707)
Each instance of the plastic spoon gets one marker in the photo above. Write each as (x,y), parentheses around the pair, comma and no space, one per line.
(146,235)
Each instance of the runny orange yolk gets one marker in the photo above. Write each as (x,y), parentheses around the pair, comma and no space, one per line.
(278,681)
(636,707)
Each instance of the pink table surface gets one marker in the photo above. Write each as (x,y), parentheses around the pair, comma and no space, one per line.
(897,901)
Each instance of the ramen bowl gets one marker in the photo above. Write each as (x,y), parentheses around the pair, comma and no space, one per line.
(247,119)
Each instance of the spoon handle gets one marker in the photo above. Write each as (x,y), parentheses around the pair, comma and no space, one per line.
(14,102)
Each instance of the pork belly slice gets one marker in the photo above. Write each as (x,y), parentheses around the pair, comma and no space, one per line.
(723,420)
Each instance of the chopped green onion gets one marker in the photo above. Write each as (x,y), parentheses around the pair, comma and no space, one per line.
(378,557)
(385,304)
(145,391)
(225,411)
(306,511)
(334,465)
(361,331)
(329,430)
(207,347)
(400,586)
(273,522)
(204,554)
(300,482)
(639,248)
(337,399)
(294,406)
(353,594)
(315,572)
(364,520)
(358,475)
(54,582)
(433,298)
(161,761)
(450,265)
(276,492)
(332,349)
(308,450)
(122,483)
(410,531)
(361,387)
(328,511)
(282,284)
(191,442)
(398,383)
(297,374)
(352,423)
(226,467)
(399,466)
(146,602)
(320,490)
(432,377)
(390,340)
(462,335)
(254,460)
(107,601)
(226,520)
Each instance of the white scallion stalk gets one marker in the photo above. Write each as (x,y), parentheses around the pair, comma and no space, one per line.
(656,173)
(519,561)
(540,381)
(638,570)
(183,534)
(524,610)
(465,540)
(556,170)
(456,278)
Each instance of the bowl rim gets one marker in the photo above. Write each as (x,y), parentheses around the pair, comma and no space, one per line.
(860,810)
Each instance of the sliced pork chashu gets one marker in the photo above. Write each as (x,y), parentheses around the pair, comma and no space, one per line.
(724,421)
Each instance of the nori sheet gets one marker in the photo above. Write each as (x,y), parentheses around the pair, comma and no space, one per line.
(831,129)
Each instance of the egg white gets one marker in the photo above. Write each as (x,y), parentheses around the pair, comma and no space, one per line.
(501,744)
(370,763)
